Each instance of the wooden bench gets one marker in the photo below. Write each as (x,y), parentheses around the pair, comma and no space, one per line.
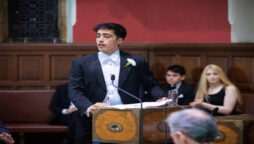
(248,101)
(27,111)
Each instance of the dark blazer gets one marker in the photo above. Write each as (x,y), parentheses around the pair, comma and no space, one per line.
(87,85)
(59,102)
(185,91)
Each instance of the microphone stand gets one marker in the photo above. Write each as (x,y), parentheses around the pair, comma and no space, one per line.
(141,121)
(165,124)
(140,112)
(173,101)
(177,105)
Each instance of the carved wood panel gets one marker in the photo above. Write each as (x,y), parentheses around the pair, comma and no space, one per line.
(30,68)
(242,70)
(60,67)
(5,68)
(44,66)
(192,65)
(160,64)
(218,60)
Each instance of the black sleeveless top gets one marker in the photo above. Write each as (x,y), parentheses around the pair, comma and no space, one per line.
(216,99)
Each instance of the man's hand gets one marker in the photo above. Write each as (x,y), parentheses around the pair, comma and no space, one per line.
(96,106)
(71,110)
(7,138)
(162,99)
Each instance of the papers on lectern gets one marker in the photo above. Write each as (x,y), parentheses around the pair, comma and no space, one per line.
(137,105)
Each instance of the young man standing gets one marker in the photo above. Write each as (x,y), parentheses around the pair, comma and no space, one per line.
(91,85)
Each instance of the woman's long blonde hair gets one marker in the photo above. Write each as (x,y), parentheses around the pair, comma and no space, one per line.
(203,84)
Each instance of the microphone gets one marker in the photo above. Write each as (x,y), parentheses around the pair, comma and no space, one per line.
(129,94)
(141,107)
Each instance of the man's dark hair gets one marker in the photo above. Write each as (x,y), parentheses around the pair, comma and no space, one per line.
(177,69)
(118,29)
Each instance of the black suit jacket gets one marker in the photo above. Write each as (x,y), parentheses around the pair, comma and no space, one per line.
(59,102)
(87,85)
(184,90)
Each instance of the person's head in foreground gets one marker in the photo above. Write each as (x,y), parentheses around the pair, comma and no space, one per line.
(192,126)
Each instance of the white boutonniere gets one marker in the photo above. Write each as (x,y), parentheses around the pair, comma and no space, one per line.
(130,62)
(181,96)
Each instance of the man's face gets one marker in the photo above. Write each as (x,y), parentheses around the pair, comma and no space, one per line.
(174,78)
(181,138)
(107,41)
(175,138)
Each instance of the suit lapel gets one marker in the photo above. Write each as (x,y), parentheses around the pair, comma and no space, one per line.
(124,71)
(181,88)
(97,71)
(98,74)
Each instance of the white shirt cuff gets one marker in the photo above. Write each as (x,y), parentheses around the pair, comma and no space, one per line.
(88,114)
(64,111)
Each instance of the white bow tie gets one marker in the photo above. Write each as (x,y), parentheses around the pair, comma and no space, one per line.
(106,58)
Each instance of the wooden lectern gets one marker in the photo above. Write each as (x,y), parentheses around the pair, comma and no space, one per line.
(112,125)
(122,126)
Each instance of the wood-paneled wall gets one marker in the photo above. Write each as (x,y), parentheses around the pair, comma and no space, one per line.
(44,66)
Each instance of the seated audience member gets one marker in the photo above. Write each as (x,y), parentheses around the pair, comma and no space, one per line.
(61,106)
(175,77)
(63,111)
(216,91)
(192,126)
(5,136)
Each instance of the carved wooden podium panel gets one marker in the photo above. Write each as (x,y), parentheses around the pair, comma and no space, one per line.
(235,129)
(123,126)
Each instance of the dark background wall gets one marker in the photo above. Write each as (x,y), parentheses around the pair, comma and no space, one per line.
(156,21)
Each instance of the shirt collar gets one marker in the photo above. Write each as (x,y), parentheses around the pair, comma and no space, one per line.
(178,85)
(115,57)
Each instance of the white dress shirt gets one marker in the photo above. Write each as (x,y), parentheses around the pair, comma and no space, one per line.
(111,66)
(177,86)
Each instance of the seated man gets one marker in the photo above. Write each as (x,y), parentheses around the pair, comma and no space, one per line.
(5,136)
(175,77)
(63,111)
(192,126)
(61,106)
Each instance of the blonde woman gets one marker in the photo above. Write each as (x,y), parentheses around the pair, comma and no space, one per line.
(216,90)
